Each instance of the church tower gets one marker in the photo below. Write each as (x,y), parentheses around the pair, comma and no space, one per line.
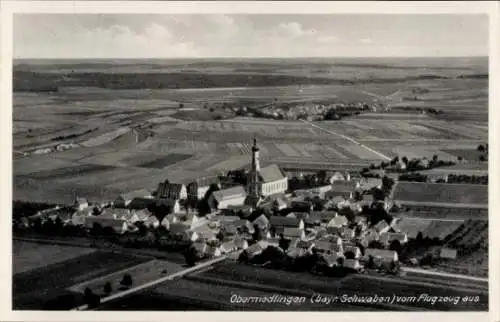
(253,182)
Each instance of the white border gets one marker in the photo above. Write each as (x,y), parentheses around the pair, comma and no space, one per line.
(8,8)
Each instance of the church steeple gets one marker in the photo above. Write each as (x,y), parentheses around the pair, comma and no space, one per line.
(255,157)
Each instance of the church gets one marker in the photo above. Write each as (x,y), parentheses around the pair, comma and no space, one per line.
(263,182)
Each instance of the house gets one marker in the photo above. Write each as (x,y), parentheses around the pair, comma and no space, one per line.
(337,240)
(347,233)
(329,260)
(279,223)
(222,199)
(382,254)
(119,226)
(123,200)
(81,204)
(244,225)
(240,243)
(78,218)
(291,233)
(224,220)
(368,236)
(343,186)
(170,190)
(182,230)
(345,195)
(337,176)
(370,183)
(197,189)
(142,215)
(119,213)
(317,218)
(152,221)
(254,250)
(387,238)
(141,203)
(338,221)
(352,264)
(204,233)
(213,251)
(382,227)
(299,215)
(228,246)
(324,246)
(278,204)
(448,253)
(262,222)
(320,191)
(243,211)
(352,249)
(301,206)
(200,247)
(295,252)
(172,205)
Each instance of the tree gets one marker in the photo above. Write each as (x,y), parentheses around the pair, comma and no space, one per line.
(378,194)
(91,299)
(126,280)
(396,246)
(435,158)
(371,262)
(482,158)
(459,158)
(350,255)
(340,261)
(322,176)
(108,288)
(283,243)
(419,237)
(348,213)
(480,148)
(181,105)
(191,256)
(257,235)
(405,160)
(243,258)
(375,244)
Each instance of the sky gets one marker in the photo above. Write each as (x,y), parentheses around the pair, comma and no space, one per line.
(204,35)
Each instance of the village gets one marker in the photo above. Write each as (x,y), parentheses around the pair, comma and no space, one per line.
(328,223)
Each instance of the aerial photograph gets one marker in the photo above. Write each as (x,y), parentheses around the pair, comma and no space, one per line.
(250,162)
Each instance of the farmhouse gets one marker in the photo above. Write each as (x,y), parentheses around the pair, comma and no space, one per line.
(293,233)
(169,190)
(119,226)
(197,189)
(448,253)
(382,254)
(317,218)
(280,223)
(264,181)
(224,198)
(79,217)
(81,203)
(125,199)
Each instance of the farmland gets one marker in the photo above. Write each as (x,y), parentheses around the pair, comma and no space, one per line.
(435,194)
(30,256)
(232,278)
(33,288)
(134,123)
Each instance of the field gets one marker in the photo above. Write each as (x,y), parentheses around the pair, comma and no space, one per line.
(140,122)
(141,274)
(436,194)
(30,256)
(34,288)
(212,289)
(429,228)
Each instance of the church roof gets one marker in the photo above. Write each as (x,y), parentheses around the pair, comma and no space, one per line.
(271,173)
(230,193)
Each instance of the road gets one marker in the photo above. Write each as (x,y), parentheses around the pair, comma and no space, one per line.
(383,156)
(156,282)
(443,274)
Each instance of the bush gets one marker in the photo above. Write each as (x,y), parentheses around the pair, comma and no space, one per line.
(127,280)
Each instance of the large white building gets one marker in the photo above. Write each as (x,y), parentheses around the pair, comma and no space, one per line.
(263,182)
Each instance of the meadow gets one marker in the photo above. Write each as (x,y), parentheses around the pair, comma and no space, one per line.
(34,288)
